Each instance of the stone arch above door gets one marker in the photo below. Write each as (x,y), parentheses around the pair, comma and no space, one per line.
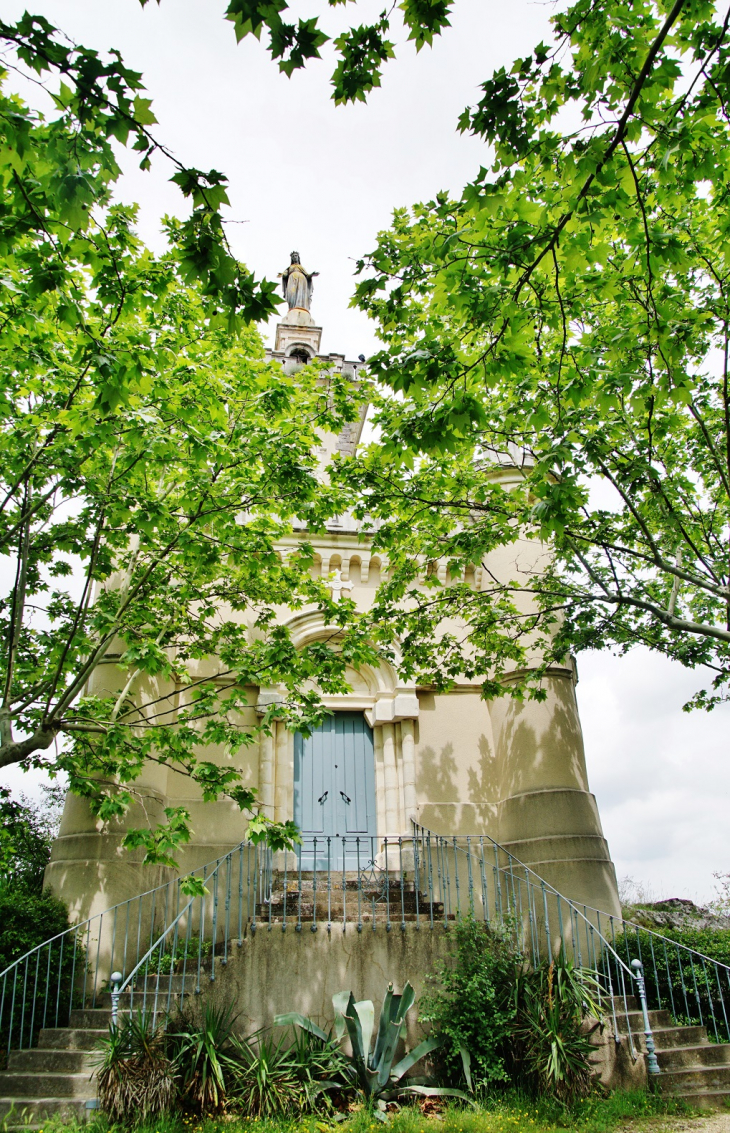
(391,709)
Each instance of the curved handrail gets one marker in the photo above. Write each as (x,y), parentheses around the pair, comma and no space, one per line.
(41,987)
(82,925)
(677,943)
(542,884)
(184,915)
(692,986)
(423,877)
(113,908)
(118,990)
(545,888)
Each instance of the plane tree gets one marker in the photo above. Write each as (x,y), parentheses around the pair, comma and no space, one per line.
(151,462)
(567,316)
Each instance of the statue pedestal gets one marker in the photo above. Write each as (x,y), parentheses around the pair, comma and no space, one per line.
(298,329)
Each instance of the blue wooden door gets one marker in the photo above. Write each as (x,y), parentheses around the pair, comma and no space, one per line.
(334,790)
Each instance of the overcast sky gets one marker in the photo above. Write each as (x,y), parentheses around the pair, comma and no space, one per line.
(306,175)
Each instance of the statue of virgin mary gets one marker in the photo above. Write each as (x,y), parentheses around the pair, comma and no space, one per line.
(296,284)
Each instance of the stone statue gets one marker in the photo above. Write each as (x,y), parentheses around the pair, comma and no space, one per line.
(296,284)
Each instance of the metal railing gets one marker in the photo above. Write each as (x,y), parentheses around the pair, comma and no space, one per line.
(71,970)
(477,875)
(157,948)
(692,987)
(387,883)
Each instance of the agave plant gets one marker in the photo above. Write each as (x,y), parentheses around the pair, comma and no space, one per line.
(379,1078)
(134,1073)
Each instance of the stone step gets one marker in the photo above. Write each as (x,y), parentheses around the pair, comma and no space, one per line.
(335,913)
(91,1018)
(276,916)
(149,993)
(30,1113)
(696,1079)
(631,1003)
(690,1057)
(335,901)
(46,1085)
(352,882)
(53,1061)
(70,1038)
(705,1099)
(667,1038)
(658,1020)
(336,897)
(366,884)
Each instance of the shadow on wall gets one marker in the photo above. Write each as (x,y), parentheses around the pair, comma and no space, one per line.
(540,743)
(444,808)
(91,888)
(483,786)
(436,778)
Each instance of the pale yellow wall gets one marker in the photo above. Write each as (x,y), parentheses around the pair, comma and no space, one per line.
(89,867)
(456,780)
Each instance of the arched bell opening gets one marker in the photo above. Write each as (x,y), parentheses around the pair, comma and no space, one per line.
(300,353)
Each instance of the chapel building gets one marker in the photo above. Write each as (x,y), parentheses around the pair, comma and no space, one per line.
(392,754)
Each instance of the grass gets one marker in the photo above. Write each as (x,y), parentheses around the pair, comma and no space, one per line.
(512,1113)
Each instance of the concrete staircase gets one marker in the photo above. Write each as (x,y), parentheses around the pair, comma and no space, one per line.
(692,1068)
(366,898)
(56,1078)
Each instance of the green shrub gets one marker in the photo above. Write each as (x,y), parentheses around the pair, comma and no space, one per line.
(184,954)
(265,1080)
(27,919)
(202,1053)
(516,1024)
(320,1067)
(42,985)
(259,1077)
(472,1004)
(675,979)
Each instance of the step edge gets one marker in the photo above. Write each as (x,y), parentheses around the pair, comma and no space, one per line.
(701,1046)
(65,1074)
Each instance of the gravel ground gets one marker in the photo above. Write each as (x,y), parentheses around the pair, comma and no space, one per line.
(713,1123)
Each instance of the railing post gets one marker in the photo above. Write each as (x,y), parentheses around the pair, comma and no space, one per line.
(116,980)
(651,1058)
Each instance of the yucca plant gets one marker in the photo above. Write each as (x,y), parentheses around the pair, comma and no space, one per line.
(265,1080)
(321,1067)
(378,1078)
(553,1047)
(135,1075)
(202,1053)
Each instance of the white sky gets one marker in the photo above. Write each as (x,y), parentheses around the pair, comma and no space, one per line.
(323,180)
